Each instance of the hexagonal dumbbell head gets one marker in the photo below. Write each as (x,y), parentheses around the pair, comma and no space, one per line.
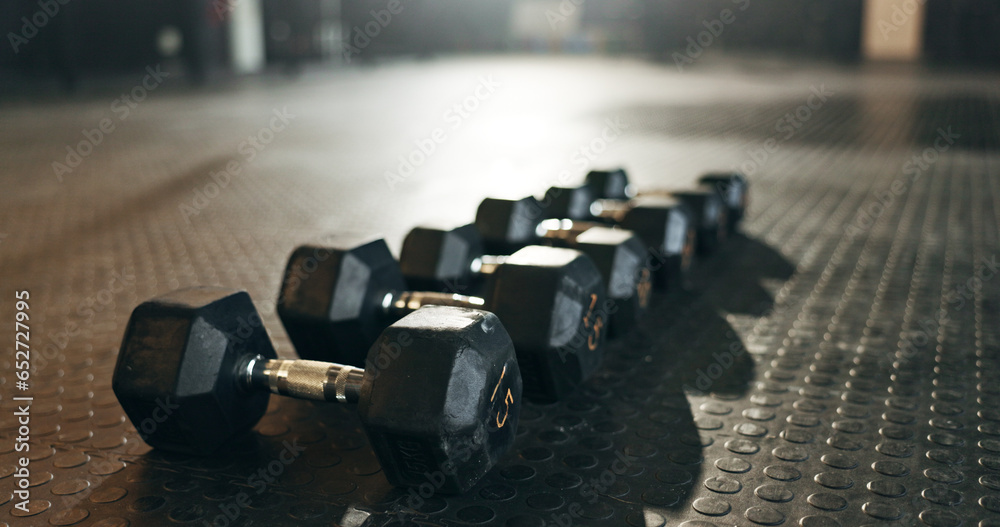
(507,225)
(665,225)
(620,256)
(552,302)
(735,191)
(568,202)
(175,376)
(432,258)
(443,409)
(609,184)
(331,298)
(709,215)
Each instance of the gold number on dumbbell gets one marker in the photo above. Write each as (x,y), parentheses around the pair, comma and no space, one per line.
(595,337)
(507,400)
(644,287)
(687,253)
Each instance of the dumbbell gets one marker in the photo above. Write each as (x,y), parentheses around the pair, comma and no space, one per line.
(707,212)
(663,225)
(336,300)
(447,405)
(451,259)
(733,188)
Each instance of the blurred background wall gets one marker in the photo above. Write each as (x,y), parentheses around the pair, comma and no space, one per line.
(71,39)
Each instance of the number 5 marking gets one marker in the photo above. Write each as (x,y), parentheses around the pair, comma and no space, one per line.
(507,400)
(595,337)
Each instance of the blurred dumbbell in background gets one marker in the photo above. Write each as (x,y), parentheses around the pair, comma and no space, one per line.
(663,226)
(448,404)
(456,260)
(702,205)
(550,300)
(732,187)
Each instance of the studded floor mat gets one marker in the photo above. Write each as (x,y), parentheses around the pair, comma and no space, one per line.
(835,365)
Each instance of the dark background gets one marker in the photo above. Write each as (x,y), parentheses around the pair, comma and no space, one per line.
(101,36)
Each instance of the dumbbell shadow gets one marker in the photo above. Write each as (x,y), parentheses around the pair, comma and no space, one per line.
(754,261)
(714,358)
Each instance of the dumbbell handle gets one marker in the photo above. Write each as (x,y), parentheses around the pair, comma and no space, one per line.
(564,229)
(305,379)
(402,303)
(486,264)
(611,209)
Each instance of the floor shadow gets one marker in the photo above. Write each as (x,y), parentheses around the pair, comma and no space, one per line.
(749,261)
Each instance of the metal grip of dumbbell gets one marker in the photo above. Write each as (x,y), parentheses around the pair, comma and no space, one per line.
(564,229)
(313,380)
(404,302)
(610,209)
(487,264)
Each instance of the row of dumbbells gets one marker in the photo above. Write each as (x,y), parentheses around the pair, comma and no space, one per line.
(522,300)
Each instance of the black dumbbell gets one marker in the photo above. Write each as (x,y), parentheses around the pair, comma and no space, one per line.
(447,405)
(454,259)
(663,225)
(336,300)
(733,188)
(707,211)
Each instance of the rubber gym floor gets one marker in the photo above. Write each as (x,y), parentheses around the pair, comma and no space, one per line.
(835,364)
